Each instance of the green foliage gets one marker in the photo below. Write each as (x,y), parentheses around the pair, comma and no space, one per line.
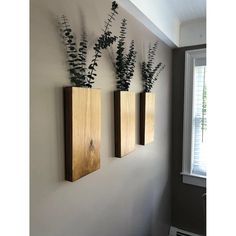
(125,63)
(150,72)
(76,56)
(104,41)
(80,75)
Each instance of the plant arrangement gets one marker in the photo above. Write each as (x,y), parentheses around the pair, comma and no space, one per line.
(150,71)
(125,63)
(80,74)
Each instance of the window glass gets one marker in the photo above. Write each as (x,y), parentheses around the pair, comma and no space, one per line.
(199,118)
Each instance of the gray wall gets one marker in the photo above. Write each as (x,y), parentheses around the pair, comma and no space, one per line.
(129,196)
(187,203)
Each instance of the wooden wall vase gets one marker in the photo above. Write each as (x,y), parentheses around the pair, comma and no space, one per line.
(124,114)
(147,113)
(82,107)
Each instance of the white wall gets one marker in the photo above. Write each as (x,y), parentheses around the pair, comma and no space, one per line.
(157,16)
(193,33)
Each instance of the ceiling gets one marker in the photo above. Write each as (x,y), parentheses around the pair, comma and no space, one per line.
(164,18)
(186,10)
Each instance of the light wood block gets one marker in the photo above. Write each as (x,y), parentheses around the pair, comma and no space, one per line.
(147,116)
(124,107)
(82,108)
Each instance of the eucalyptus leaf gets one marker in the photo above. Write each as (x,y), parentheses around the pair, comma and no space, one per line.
(80,75)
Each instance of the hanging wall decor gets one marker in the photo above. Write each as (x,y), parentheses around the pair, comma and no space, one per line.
(124,100)
(82,131)
(147,111)
(82,103)
(150,73)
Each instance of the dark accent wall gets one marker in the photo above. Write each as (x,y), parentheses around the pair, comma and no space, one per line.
(187,201)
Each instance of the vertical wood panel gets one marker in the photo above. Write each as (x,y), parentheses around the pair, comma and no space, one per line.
(147,116)
(82,131)
(124,107)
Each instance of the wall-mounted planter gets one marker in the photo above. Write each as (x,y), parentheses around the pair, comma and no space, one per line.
(147,113)
(82,107)
(124,113)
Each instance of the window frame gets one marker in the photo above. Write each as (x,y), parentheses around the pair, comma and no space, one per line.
(188,177)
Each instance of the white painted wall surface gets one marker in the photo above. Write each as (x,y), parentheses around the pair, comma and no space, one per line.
(157,16)
(193,32)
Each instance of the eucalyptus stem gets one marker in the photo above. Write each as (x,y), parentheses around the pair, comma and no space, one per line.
(80,75)
(99,45)
(149,72)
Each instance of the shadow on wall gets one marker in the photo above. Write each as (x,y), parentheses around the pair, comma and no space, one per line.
(152,215)
(59,123)
(161,217)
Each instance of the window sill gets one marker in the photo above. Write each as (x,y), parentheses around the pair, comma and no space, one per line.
(197,180)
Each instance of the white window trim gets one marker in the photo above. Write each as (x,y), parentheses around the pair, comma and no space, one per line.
(188,177)
(197,180)
(174,231)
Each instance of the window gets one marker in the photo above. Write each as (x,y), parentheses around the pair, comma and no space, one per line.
(195,118)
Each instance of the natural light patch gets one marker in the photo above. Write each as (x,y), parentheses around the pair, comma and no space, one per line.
(199,118)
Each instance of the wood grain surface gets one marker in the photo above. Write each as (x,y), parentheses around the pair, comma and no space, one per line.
(82,107)
(124,114)
(147,116)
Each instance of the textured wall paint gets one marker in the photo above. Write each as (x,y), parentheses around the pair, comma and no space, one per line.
(187,202)
(129,196)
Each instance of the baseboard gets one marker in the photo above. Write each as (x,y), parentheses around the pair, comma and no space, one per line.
(179,232)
